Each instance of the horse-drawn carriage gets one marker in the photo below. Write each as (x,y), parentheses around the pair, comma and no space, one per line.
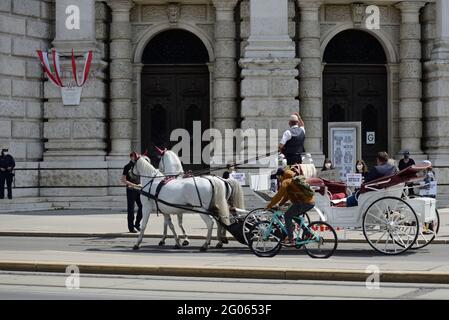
(391,222)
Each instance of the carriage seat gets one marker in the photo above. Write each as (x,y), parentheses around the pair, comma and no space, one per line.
(404,176)
(337,190)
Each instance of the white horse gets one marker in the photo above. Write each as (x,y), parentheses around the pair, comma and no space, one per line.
(170,164)
(206,195)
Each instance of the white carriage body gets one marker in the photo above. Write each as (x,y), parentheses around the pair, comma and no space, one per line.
(351,217)
(425,209)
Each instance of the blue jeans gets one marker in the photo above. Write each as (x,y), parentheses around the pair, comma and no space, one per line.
(295,209)
(352,201)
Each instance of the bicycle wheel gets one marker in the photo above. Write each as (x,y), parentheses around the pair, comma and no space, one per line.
(325,238)
(265,241)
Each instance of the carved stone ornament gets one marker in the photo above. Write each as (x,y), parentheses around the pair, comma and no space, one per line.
(173,12)
(357,12)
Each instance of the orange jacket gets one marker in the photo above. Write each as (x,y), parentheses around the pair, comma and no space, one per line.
(289,191)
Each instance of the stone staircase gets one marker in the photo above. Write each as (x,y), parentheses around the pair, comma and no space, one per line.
(54,203)
(25,204)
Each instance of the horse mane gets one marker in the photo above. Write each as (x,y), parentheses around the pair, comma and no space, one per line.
(146,168)
(178,165)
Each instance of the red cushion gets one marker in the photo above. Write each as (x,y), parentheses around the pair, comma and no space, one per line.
(338,196)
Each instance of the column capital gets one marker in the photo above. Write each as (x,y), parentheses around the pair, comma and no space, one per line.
(410,6)
(120,5)
(224,4)
(309,4)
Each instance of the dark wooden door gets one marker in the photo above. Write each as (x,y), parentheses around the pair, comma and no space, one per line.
(173,97)
(357,93)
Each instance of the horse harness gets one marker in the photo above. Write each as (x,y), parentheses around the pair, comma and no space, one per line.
(167,180)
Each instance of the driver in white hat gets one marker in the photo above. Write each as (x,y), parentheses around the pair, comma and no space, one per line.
(292,142)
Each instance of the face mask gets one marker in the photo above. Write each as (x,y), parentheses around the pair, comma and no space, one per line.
(327,165)
(359,168)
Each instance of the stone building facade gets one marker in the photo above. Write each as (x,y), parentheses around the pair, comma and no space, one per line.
(230,63)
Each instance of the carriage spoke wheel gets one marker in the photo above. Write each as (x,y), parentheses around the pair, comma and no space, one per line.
(325,240)
(265,241)
(390,225)
(427,232)
(252,218)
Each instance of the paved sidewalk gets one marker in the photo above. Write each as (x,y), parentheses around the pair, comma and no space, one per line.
(113,222)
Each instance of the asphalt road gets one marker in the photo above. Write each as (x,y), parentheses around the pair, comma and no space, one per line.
(361,252)
(19,285)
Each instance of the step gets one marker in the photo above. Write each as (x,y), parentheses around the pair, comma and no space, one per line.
(20,207)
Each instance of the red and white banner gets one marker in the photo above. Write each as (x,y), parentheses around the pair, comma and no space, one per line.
(56,78)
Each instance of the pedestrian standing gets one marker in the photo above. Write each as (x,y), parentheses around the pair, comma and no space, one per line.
(405,163)
(132,194)
(7,165)
(292,142)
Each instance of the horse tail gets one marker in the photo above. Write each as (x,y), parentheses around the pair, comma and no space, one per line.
(219,200)
(237,194)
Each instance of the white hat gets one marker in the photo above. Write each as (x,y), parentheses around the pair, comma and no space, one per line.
(427,162)
(294,117)
(4,147)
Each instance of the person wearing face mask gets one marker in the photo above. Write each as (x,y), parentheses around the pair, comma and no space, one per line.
(132,195)
(405,163)
(7,165)
(361,167)
(327,165)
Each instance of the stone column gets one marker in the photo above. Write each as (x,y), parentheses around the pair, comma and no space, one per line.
(269,86)
(121,79)
(225,73)
(436,135)
(410,89)
(310,74)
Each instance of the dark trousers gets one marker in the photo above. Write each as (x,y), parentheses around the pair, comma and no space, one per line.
(133,196)
(6,176)
(295,209)
(293,159)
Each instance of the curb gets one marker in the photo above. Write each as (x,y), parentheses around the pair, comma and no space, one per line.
(230,272)
(135,235)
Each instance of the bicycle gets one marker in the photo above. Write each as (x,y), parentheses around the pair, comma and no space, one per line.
(318,238)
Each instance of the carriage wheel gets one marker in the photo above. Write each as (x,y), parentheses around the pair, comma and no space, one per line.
(326,240)
(390,225)
(252,218)
(427,232)
(265,241)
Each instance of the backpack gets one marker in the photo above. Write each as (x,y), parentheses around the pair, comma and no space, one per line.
(300,181)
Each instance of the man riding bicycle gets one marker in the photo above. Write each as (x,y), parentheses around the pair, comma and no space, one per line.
(301,202)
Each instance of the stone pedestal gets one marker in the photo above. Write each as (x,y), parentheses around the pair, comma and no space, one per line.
(269,86)
(269,30)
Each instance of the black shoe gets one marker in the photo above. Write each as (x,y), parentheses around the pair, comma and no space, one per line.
(132,231)
(10,198)
(137,228)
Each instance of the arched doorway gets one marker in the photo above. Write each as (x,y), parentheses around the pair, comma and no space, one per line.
(174,90)
(355,88)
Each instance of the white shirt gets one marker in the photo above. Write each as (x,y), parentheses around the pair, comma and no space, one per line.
(288,135)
